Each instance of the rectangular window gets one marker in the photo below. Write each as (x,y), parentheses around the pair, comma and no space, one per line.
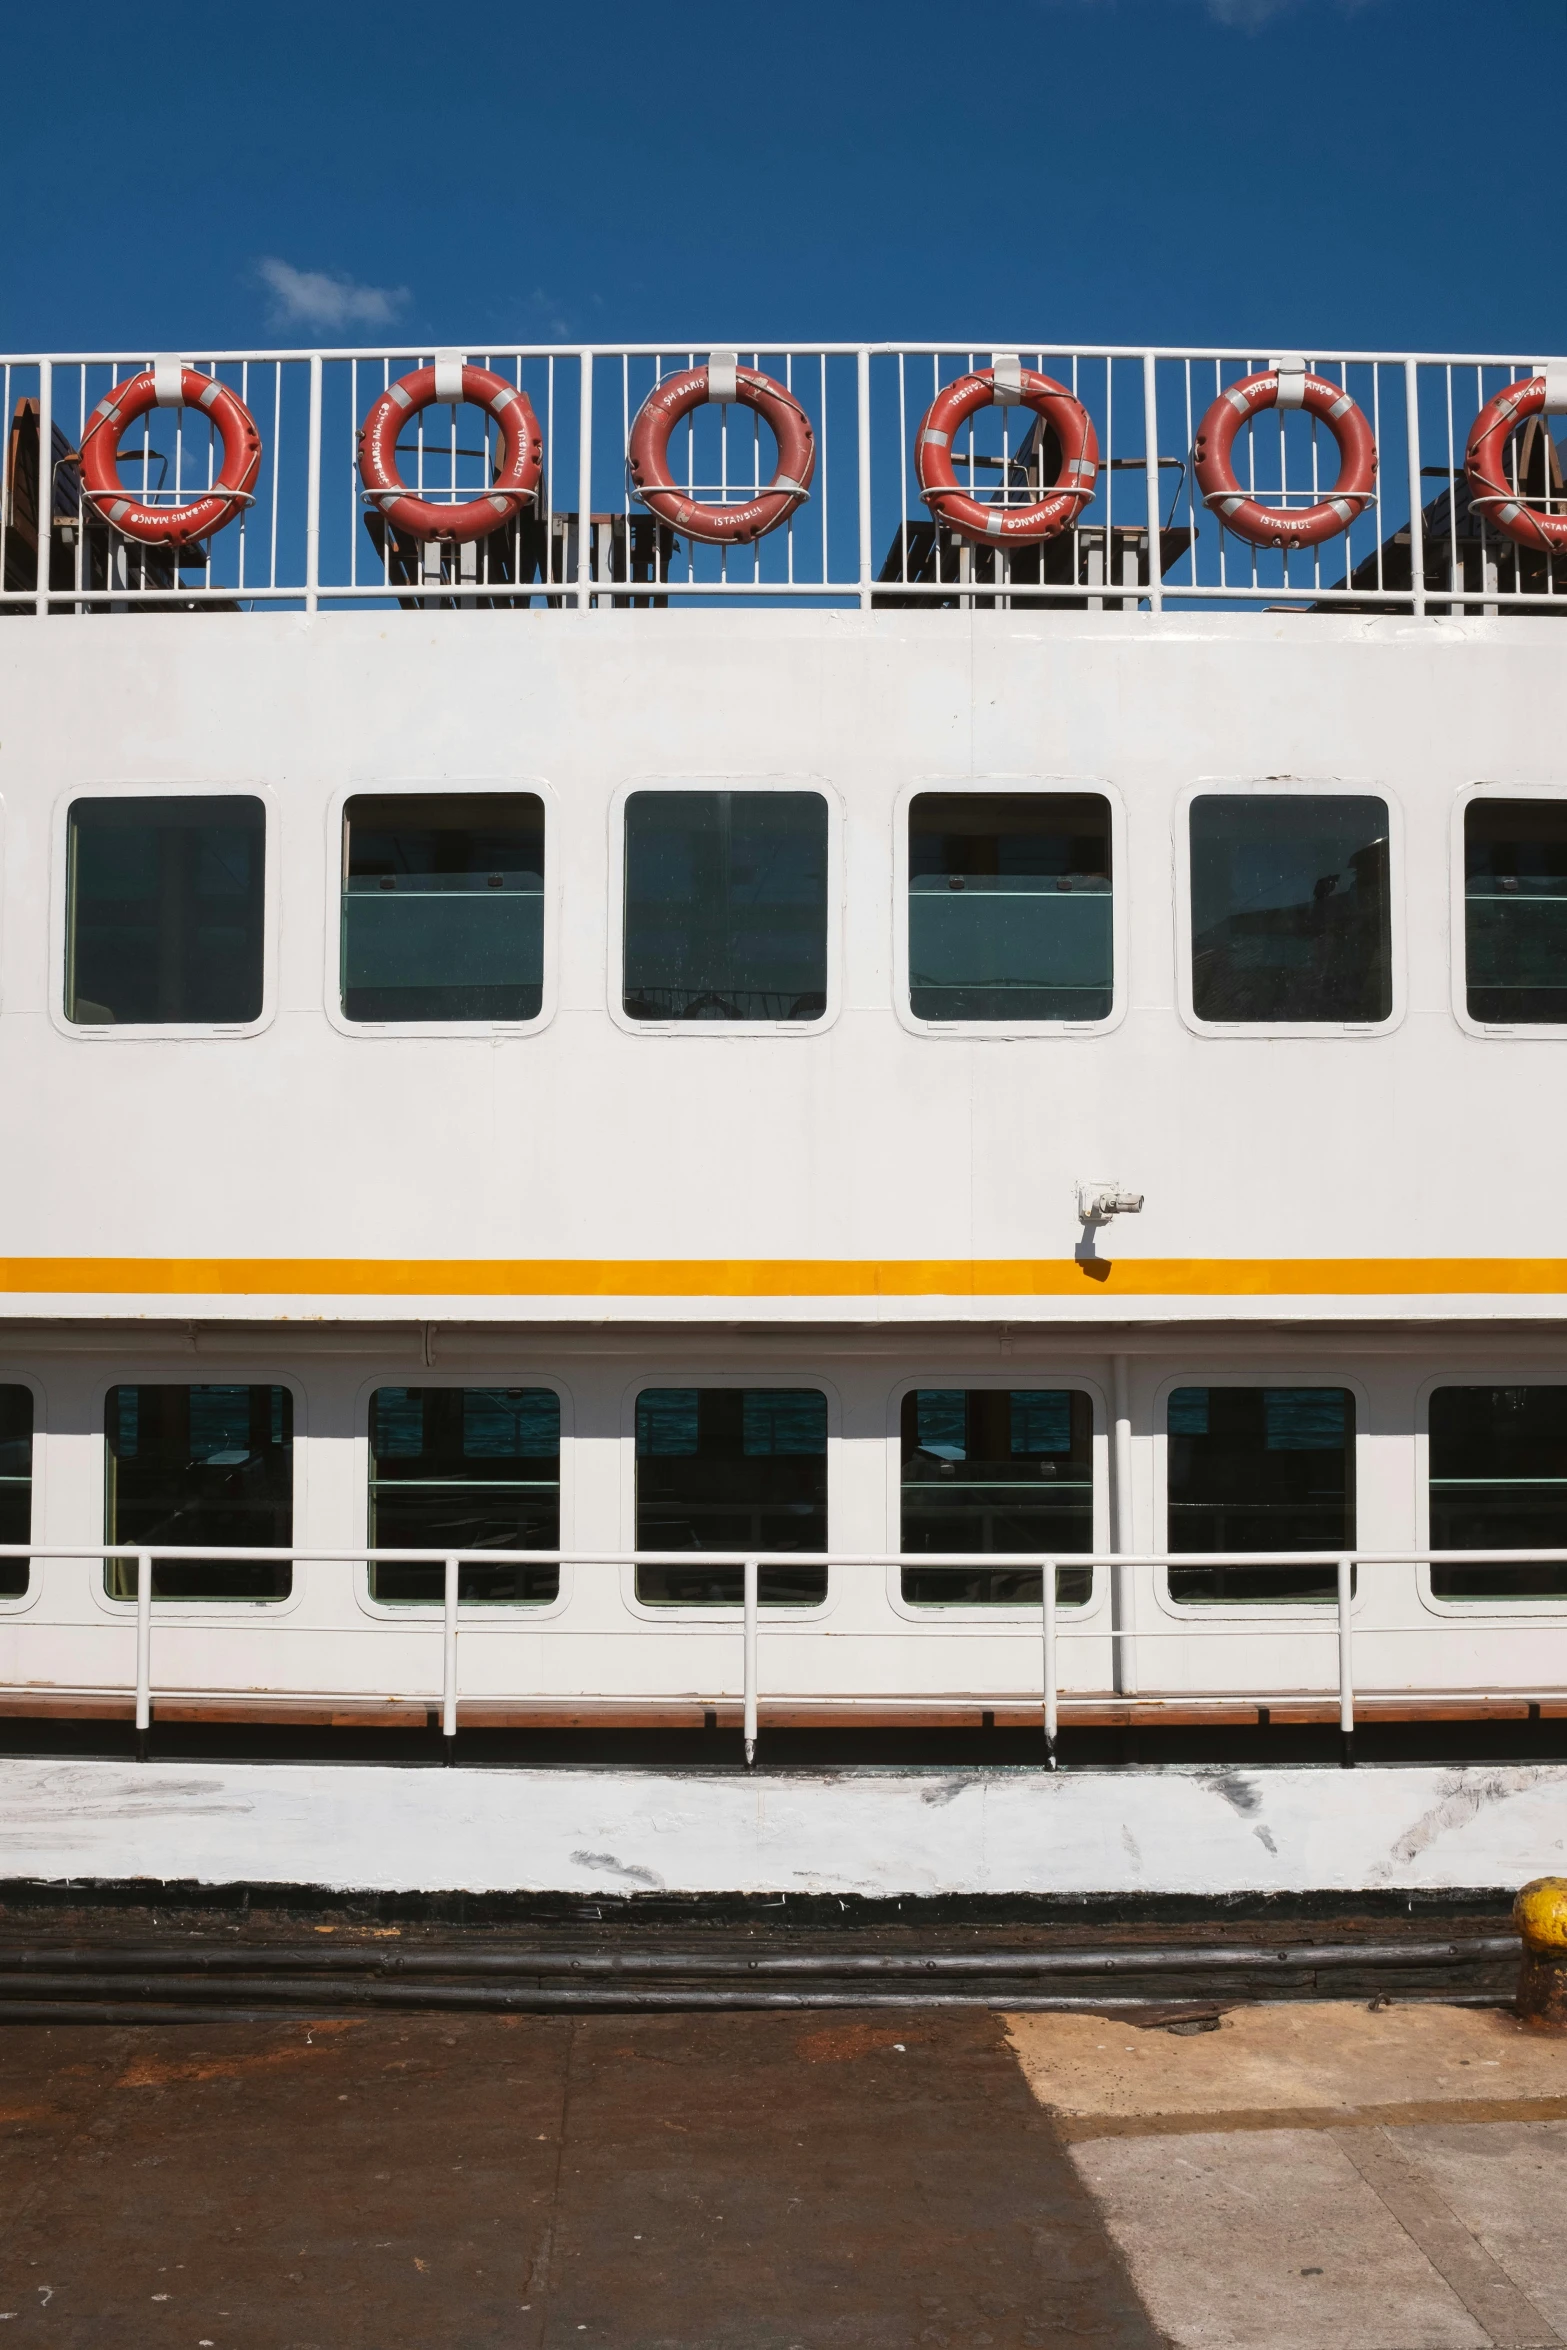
(1002,1469)
(16,1484)
(165,912)
(190,1465)
(1260,1468)
(1290,909)
(1499,1478)
(736,1469)
(465,1469)
(1009,906)
(726,905)
(1515,912)
(443,907)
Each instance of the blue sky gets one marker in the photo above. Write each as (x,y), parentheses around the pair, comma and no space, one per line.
(1304,173)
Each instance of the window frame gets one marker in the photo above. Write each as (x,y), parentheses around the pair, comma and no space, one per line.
(977,1616)
(22,1602)
(222,1371)
(616,938)
(704,1613)
(1530,1032)
(162,1031)
(421,1614)
(1270,787)
(1508,1613)
(1022,787)
(428,788)
(1286,1612)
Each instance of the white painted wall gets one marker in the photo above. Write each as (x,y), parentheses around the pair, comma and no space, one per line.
(863,1140)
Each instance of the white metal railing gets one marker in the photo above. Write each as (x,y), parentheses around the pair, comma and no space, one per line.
(310,540)
(1084,1622)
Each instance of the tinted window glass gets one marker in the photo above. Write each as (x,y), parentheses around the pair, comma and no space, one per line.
(1515,911)
(464,1469)
(443,907)
(726,905)
(1498,1468)
(188,1465)
(993,1468)
(1009,906)
(1260,1468)
(165,905)
(736,1469)
(1289,909)
(16,1483)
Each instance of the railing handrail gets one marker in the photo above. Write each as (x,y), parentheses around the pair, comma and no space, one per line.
(607,1556)
(671,347)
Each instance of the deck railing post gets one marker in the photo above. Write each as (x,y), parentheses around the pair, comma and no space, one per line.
(313,492)
(449,1660)
(1047,1593)
(752,1581)
(1346,1664)
(45,483)
(585,484)
(1151,476)
(867,553)
(1417,544)
(143,1651)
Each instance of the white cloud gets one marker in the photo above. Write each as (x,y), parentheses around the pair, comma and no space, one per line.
(319,297)
(1249,16)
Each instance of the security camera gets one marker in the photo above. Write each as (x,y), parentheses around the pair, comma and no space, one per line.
(1098,1202)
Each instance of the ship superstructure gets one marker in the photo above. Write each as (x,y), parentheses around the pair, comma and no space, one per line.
(873,1123)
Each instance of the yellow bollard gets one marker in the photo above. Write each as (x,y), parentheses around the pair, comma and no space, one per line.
(1540,1914)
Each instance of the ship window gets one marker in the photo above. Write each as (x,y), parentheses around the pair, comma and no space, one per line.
(735,1469)
(164,915)
(1498,1470)
(443,907)
(464,1469)
(16,1484)
(1260,1469)
(726,905)
(1290,909)
(997,1469)
(1515,912)
(1009,906)
(191,1465)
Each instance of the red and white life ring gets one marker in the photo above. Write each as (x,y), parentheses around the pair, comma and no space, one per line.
(168,386)
(1014,386)
(1271,526)
(517,476)
(676,396)
(1489,487)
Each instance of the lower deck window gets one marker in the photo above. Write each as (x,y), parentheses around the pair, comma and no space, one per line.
(1009,906)
(16,1484)
(1515,918)
(1260,1469)
(192,1465)
(735,1469)
(443,907)
(996,1469)
(1290,909)
(1499,1480)
(726,905)
(464,1470)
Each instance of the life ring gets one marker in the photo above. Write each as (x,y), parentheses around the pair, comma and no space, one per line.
(1270,526)
(167,387)
(1489,488)
(722,526)
(1012,386)
(517,476)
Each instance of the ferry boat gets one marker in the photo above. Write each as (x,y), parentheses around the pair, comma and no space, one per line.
(733,1042)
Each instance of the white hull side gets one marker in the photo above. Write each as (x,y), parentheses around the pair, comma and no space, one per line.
(1210,1831)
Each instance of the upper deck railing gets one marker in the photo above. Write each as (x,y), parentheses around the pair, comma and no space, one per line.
(308,536)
